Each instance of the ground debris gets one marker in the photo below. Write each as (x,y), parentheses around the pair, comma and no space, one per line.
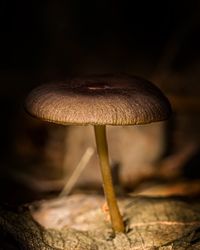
(77,223)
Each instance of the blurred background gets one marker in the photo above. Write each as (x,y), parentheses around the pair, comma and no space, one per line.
(45,41)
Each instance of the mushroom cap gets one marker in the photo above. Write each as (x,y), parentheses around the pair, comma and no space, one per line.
(99,100)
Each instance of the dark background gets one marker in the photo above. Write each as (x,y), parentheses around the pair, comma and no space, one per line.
(50,40)
(57,38)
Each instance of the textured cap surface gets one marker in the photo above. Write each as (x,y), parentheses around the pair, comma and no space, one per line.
(99,100)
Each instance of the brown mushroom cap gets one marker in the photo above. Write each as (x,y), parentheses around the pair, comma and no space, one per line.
(99,100)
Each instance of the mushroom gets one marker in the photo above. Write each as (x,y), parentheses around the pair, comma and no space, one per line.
(100,101)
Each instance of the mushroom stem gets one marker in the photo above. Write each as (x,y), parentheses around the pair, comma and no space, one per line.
(102,149)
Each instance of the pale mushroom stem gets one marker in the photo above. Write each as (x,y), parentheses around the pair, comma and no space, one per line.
(102,149)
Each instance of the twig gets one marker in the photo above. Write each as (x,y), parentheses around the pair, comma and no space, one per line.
(77,172)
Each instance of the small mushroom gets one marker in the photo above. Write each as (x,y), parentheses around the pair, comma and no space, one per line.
(100,101)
